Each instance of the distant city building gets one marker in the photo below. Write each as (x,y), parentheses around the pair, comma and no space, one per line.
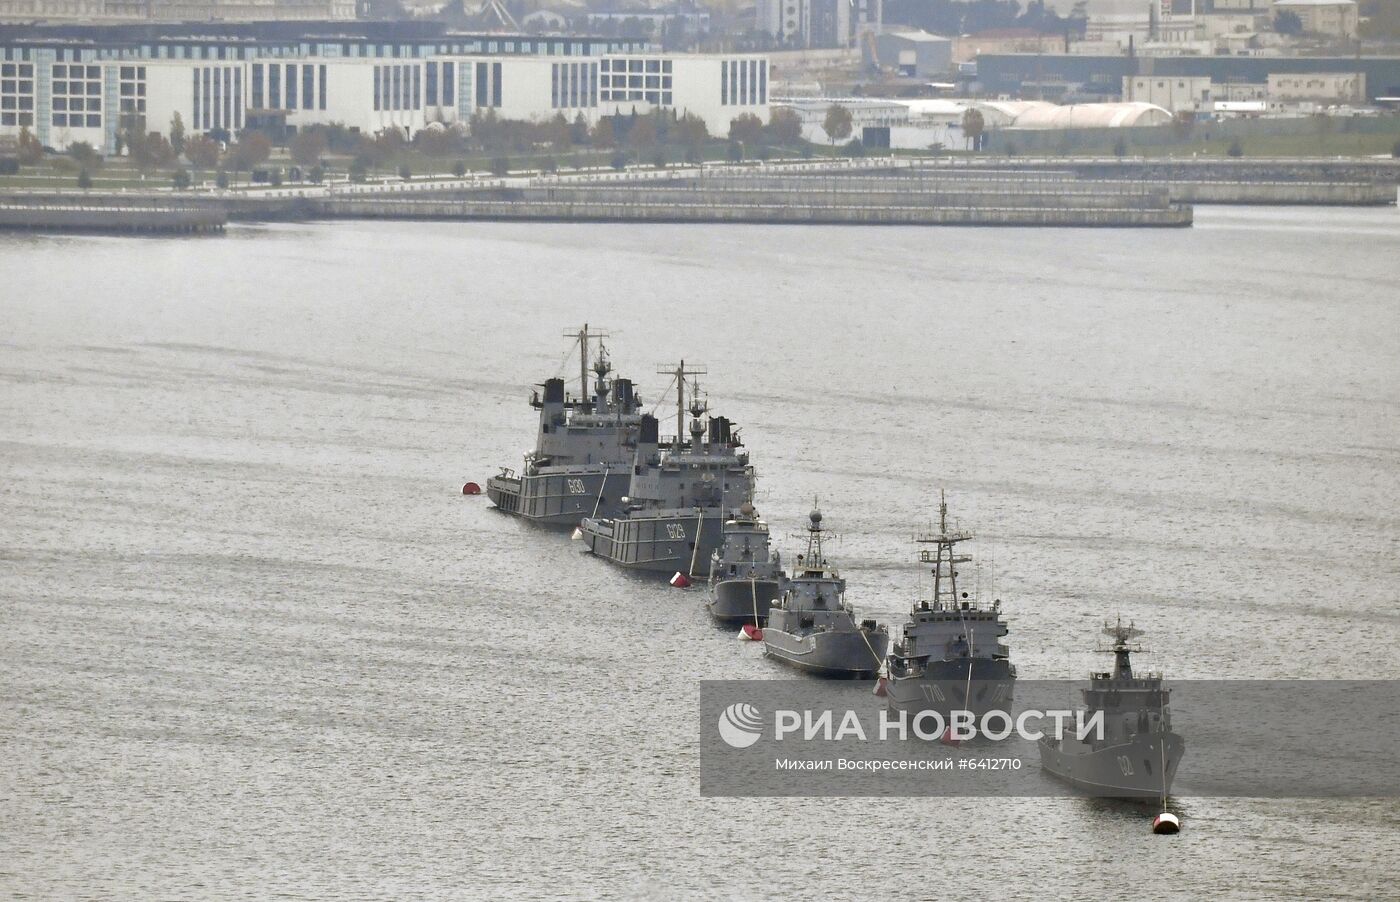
(1335,18)
(1182,93)
(915,54)
(175,10)
(68,84)
(1318,87)
(807,23)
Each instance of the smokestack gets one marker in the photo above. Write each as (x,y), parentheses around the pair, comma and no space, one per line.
(554,391)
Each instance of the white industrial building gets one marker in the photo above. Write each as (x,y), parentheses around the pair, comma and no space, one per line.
(68,94)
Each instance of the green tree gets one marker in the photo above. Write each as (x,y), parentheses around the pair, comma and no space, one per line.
(784,127)
(180,179)
(150,151)
(973,126)
(84,179)
(316,175)
(177,134)
(500,166)
(252,149)
(618,160)
(29,150)
(358,169)
(604,135)
(856,148)
(548,164)
(1236,150)
(85,155)
(221,179)
(735,152)
(202,152)
(1120,147)
(308,146)
(405,172)
(459,168)
(837,123)
(746,128)
(658,158)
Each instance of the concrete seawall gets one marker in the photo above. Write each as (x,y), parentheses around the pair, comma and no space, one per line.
(732,210)
(140,218)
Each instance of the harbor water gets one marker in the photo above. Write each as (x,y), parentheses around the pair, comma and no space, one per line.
(254,641)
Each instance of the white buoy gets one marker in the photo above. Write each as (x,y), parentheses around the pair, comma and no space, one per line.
(750,633)
(680,580)
(578,533)
(1166,823)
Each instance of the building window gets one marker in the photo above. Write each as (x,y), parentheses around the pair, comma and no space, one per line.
(257,85)
(449,84)
(17,94)
(274,86)
(495,84)
(482,88)
(308,87)
(430,86)
(77,96)
(291,103)
(378,88)
(321,87)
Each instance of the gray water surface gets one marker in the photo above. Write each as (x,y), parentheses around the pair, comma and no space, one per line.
(253,640)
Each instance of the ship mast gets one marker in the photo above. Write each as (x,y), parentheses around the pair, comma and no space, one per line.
(678,373)
(1122,647)
(943,557)
(583,336)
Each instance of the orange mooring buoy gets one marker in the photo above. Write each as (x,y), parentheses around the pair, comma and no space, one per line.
(471,488)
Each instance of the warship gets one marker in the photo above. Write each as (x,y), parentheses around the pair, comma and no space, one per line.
(951,656)
(1138,755)
(582,460)
(681,493)
(813,629)
(746,575)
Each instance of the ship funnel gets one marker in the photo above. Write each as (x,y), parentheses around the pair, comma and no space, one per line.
(622,394)
(650,433)
(554,391)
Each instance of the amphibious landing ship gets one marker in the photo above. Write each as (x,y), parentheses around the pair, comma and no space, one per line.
(680,495)
(582,461)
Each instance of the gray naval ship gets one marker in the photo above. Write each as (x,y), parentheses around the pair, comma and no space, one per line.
(813,629)
(680,495)
(1139,754)
(746,574)
(951,656)
(582,460)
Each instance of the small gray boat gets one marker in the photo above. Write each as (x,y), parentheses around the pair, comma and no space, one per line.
(1137,757)
(582,460)
(951,656)
(812,628)
(746,574)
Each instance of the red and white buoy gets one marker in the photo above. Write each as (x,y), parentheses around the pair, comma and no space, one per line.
(471,488)
(680,580)
(750,633)
(946,737)
(1166,823)
(882,687)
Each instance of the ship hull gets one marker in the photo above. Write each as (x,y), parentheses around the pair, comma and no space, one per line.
(1132,769)
(843,654)
(736,601)
(560,499)
(944,686)
(659,544)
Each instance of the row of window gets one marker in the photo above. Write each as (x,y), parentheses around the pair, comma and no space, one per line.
(743,82)
(397,88)
(218,98)
(573,85)
(289,86)
(488,84)
(444,74)
(639,66)
(17,94)
(331,50)
(77,96)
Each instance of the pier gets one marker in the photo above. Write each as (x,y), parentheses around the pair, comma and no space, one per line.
(117,215)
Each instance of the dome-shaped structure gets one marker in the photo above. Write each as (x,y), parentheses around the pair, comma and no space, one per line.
(1092,115)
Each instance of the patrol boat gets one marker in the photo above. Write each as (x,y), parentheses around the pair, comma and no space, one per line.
(680,494)
(1138,755)
(746,574)
(582,460)
(813,629)
(951,656)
